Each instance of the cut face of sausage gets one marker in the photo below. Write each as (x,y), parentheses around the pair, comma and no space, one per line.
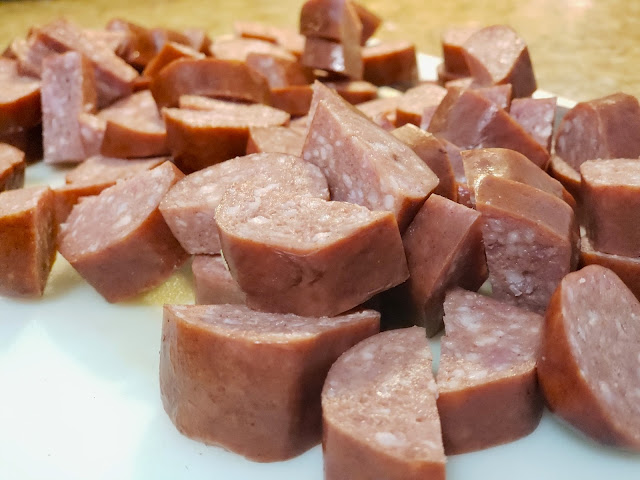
(12,167)
(607,127)
(279,71)
(118,240)
(498,55)
(530,239)
(611,201)
(343,59)
(134,128)
(536,116)
(114,78)
(444,248)
(335,20)
(250,381)
(588,366)
(488,391)
(340,142)
(295,99)
(275,139)
(418,104)
(189,207)
(68,91)
(381,111)
(28,231)
(566,175)
(234,48)
(379,411)
(300,254)
(452,41)
(213,283)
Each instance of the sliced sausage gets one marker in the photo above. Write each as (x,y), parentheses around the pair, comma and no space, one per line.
(335,20)
(453,40)
(189,207)
(118,240)
(496,55)
(140,47)
(488,393)
(627,268)
(294,99)
(134,128)
(114,78)
(390,63)
(235,48)
(370,21)
(27,240)
(275,139)
(213,284)
(200,138)
(209,77)
(418,104)
(607,127)
(68,91)
(536,116)
(12,167)
(354,91)
(381,111)
(470,120)
(19,98)
(444,249)
(505,163)
(566,175)
(249,381)
(170,52)
(300,254)
(340,58)
(588,366)
(434,154)
(291,40)
(340,142)
(94,175)
(279,71)
(379,411)
(611,202)
(530,239)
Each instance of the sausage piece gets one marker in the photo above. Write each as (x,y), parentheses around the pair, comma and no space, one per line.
(530,239)
(134,128)
(27,240)
(213,283)
(170,52)
(341,58)
(300,254)
(250,381)
(607,127)
(536,116)
(118,240)
(275,139)
(189,207)
(335,20)
(418,104)
(588,365)
(488,392)
(444,249)
(453,39)
(390,63)
(19,98)
(611,202)
(497,55)
(379,411)
(68,91)
(199,138)
(12,167)
(340,142)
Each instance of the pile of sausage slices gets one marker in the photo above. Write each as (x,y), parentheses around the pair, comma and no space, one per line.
(319,213)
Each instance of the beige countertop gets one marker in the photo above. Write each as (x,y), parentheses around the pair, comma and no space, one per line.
(581,49)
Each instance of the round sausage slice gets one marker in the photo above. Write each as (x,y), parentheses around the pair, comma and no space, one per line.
(590,356)
(379,411)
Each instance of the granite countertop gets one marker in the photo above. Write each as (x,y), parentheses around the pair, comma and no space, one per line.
(581,49)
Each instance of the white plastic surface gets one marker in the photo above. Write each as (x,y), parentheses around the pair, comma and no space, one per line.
(80,400)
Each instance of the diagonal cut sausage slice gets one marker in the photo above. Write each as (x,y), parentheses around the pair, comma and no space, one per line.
(379,411)
(588,366)
(251,381)
(487,385)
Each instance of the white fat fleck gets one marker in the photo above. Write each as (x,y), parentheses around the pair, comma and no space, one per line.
(338,143)
(388,202)
(515,281)
(593,317)
(484,341)
(582,280)
(123,221)
(346,179)
(472,357)
(606,392)
(372,198)
(477,375)
(321,236)
(388,439)
(368,353)
(259,220)
(307,156)
(513,236)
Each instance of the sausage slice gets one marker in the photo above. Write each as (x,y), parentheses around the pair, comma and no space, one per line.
(379,411)
(12,167)
(118,240)
(487,385)
(19,98)
(213,283)
(588,366)
(251,381)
